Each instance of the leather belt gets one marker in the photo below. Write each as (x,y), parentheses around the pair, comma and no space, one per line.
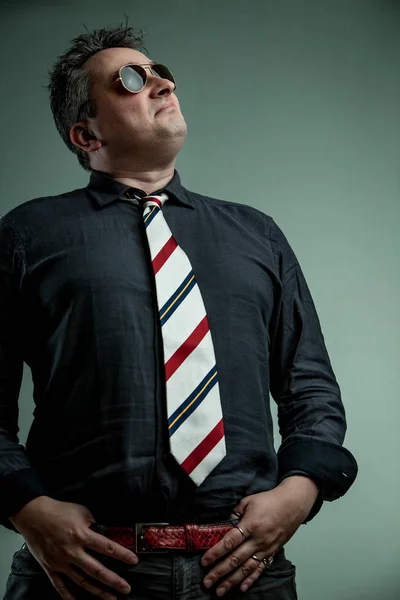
(163,537)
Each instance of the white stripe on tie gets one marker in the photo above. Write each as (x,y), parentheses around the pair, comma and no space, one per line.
(195,422)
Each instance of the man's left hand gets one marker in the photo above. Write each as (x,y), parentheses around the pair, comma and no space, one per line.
(269,520)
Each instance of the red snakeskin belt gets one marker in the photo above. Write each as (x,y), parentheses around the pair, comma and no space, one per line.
(148,537)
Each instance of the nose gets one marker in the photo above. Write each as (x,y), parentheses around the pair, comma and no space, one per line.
(159,81)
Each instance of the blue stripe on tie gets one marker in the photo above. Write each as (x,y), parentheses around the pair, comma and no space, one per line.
(150,216)
(177,298)
(180,415)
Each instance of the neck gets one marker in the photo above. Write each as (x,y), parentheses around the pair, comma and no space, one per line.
(148,181)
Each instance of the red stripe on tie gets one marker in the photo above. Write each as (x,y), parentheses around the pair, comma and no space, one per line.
(164,254)
(186,348)
(204,448)
(153,199)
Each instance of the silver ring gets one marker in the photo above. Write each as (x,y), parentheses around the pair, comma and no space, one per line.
(268,561)
(241,531)
(255,558)
(237,514)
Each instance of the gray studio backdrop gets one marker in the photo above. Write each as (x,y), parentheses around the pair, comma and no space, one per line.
(292,107)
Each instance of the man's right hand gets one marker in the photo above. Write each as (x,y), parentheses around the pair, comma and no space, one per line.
(57,535)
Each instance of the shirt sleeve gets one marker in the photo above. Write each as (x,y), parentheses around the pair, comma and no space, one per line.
(311,415)
(18,481)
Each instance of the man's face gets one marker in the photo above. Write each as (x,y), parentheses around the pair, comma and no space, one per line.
(129,124)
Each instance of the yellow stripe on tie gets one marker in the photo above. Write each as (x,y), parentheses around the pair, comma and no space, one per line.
(150,213)
(177,298)
(194,399)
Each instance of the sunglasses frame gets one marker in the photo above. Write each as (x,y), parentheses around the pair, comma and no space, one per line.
(119,78)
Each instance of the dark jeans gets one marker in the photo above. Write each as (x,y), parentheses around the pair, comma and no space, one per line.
(169,576)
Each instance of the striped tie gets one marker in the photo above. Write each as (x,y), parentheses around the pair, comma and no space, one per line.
(195,423)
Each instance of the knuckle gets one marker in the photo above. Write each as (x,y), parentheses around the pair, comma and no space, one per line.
(110,550)
(229,543)
(79,536)
(99,573)
(214,576)
(246,570)
(60,589)
(89,587)
(63,592)
(58,585)
(260,568)
(234,561)
(68,553)
(83,583)
(252,527)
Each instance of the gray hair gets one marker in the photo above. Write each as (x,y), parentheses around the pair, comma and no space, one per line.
(70,86)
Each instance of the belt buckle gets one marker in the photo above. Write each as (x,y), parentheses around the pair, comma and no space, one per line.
(139,538)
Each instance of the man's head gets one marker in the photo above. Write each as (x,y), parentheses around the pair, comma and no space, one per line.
(116,130)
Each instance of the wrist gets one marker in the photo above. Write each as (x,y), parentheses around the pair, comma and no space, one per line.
(302,487)
(23,514)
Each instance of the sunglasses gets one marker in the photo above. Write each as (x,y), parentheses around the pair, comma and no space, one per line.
(134,78)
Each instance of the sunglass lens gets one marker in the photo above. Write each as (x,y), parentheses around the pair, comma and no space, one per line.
(133,77)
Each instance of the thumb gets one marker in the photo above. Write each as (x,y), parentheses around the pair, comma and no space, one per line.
(241,507)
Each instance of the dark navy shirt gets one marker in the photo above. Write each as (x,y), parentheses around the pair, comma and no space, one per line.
(78,306)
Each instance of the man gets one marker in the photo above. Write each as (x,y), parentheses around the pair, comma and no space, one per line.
(127,428)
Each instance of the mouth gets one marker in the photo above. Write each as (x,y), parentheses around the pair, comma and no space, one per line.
(165,107)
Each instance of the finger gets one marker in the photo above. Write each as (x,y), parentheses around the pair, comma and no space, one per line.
(247,573)
(82,580)
(235,559)
(58,584)
(102,544)
(248,581)
(87,565)
(241,507)
(229,542)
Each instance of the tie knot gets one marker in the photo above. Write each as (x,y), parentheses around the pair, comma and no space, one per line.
(154,200)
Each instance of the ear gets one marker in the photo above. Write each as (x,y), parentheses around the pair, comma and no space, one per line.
(81,137)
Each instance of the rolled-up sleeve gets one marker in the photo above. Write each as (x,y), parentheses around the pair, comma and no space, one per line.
(18,481)
(311,414)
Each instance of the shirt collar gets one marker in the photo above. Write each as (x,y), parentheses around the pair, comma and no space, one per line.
(105,189)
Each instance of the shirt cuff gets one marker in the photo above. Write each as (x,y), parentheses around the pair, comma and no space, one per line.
(331,466)
(17,489)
